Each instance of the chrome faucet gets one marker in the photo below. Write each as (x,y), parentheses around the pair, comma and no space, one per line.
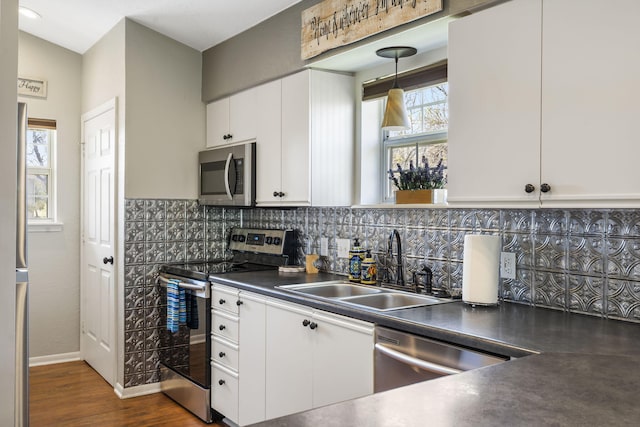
(399,270)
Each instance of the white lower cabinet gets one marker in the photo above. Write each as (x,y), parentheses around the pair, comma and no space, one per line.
(285,358)
(314,358)
(237,355)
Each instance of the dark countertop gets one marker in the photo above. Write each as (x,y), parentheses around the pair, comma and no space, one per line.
(540,390)
(579,370)
(513,330)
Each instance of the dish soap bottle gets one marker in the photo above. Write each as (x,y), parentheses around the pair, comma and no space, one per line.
(356,255)
(368,270)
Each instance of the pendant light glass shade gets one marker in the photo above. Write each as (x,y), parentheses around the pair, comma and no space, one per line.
(395,114)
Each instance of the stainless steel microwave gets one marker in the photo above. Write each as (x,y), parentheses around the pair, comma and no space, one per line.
(228,175)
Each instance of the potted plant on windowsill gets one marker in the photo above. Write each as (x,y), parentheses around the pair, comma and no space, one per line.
(417,184)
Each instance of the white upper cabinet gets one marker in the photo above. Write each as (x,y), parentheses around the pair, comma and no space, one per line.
(545,97)
(218,123)
(494,105)
(233,119)
(312,164)
(590,102)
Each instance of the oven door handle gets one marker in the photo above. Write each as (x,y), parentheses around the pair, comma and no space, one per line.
(227,166)
(190,286)
(422,364)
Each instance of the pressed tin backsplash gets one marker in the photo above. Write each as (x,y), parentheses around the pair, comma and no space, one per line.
(579,260)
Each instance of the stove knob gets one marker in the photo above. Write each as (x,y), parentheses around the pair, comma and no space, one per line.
(241,238)
(277,241)
(268,240)
(234,238)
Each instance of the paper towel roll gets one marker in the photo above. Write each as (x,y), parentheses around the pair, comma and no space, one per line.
(481,269)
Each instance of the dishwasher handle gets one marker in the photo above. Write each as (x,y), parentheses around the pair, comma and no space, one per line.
(422,364)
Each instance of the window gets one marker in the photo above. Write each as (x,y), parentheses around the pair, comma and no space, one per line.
(427,138)
(41,142)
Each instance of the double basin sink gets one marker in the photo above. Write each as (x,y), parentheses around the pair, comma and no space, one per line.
(371,297)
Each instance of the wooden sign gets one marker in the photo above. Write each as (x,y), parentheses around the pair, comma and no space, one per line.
(335,23)
(32,87)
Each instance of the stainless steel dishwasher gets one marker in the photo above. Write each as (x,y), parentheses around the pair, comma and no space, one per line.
(402,359)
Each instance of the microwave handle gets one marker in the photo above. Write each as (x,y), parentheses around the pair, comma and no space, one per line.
(227,188)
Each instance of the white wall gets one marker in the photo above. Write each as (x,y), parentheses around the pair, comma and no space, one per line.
(165,116)
(54,256)
(8,135)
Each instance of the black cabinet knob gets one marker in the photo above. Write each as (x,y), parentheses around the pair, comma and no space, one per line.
(227,136)
(275,194)
(106,260)
(221,382)
(239,303)
(221,354)
(281,194)
(305,322)
(222,327)
(313,325)
(222,301)
(529,188)
(545,188)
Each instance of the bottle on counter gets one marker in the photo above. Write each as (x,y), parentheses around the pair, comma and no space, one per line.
(368,270)
(356,255)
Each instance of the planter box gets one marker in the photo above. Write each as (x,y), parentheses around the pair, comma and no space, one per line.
(421,196)
(414,196)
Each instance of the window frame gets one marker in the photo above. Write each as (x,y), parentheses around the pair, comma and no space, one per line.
(45,223)
(418,140)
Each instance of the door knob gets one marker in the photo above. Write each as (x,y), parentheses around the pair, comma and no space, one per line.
(106,260)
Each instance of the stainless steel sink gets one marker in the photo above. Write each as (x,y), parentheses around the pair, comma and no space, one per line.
(393,300)
(338,289)
(374,298)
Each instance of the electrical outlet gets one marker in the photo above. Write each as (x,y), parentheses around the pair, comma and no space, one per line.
(324,246)
(508,265)
(343,248)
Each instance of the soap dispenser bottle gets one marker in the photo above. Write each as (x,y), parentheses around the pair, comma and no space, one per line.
(368,270)
(356,255)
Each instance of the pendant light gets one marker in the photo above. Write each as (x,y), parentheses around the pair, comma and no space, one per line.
(395,114)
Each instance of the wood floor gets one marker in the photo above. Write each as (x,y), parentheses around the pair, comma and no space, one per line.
(72,395)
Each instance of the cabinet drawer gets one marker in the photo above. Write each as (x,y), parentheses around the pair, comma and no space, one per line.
(224,298)
(225,353)
(224,391)
(224,325)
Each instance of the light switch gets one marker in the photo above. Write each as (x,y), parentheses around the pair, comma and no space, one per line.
(343,248)
(324,246)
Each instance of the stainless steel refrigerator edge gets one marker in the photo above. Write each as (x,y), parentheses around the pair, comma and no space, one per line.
(22,278)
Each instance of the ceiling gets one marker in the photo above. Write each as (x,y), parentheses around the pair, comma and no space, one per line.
(79,24)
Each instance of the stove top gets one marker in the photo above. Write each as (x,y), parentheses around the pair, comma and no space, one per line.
(253,250)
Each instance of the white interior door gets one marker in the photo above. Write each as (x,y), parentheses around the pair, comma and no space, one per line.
(98,277)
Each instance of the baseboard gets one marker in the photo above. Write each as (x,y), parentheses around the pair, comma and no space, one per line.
(140,390)
(54,358)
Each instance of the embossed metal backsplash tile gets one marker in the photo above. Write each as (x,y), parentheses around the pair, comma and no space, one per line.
(580,260)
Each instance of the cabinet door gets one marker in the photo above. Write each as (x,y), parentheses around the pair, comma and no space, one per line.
(590,108)
(296,161)
(252,358)
(289,359)
(494,104)
(217,122)
(342,359)
(242,115)
(268,144)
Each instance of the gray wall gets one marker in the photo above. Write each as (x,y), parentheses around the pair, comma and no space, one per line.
(54,256)
(271,49)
